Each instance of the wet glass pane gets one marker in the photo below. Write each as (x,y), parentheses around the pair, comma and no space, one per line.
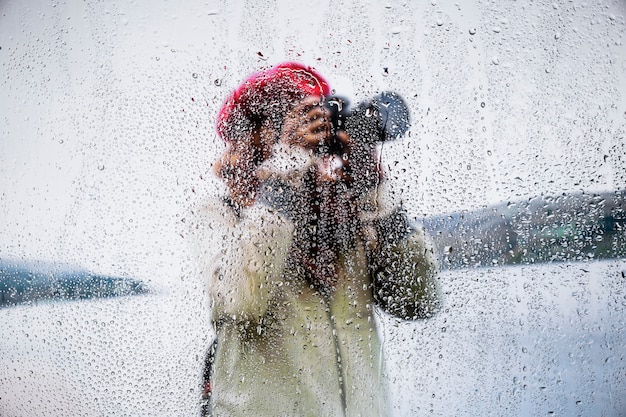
(117,250)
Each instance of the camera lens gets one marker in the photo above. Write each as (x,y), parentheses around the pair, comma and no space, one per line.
(385,117)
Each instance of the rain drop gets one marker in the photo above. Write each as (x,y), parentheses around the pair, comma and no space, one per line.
(472,31)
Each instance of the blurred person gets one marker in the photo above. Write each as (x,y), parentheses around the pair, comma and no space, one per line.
(310,241)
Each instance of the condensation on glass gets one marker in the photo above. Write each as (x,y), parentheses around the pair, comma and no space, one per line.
(514,164)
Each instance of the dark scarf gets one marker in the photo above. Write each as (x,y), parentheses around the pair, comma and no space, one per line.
(325,225)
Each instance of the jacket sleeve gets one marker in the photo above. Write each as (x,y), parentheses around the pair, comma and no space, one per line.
(404,269)
(241,260)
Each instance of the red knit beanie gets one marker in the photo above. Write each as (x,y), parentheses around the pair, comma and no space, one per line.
(268,94)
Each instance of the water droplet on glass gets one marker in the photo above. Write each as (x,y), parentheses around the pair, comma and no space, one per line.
(496,29)
(217,82)
(472,31)
(439,22)
(194,75)
(495,60)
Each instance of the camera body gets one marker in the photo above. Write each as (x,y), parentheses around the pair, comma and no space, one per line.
(383,118)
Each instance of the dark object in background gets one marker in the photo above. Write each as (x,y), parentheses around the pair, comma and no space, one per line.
(564,228)
(383,118)
(22,283)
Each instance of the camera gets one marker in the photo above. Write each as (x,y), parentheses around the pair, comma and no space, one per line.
(383,118)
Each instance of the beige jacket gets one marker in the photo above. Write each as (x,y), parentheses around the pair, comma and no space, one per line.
(284,349)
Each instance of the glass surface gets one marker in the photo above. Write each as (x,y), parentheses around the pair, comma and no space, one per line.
(515,163)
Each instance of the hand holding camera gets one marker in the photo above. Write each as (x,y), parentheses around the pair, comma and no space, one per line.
(343,138)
